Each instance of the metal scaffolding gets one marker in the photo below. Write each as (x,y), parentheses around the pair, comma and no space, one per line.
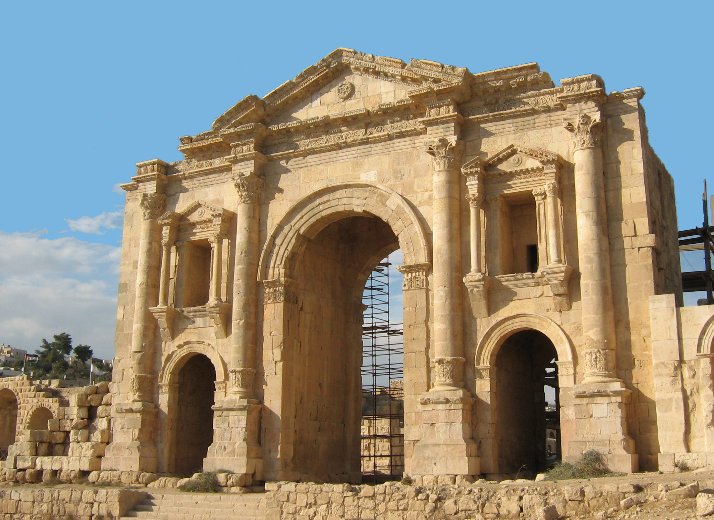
(382,437)
(699,239)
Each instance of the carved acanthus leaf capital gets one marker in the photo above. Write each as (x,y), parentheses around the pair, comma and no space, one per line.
(242,380)
(474,198)
(152,205)
(445,153)
(551,189)
(448,371)
(539,193)
(415,276)
(586,131)
(249,187)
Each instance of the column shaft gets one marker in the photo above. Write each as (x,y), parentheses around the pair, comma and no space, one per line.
(447,266)
(216,265)
(165,273)
(551,208)
(475,220)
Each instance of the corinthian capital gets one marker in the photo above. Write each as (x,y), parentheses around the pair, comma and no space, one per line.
(249,187)
(586,131)
(152,205)
(444,152)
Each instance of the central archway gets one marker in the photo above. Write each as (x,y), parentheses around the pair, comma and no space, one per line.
(314,270)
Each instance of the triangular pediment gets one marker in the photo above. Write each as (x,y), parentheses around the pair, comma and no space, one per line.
(201,212)
(343,82)
(517,158)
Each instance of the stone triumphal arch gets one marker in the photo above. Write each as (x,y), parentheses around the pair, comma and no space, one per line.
(535,223)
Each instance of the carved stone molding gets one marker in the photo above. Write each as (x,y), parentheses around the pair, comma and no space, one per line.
(155,166)
(219,313)
(473,171)
(447,372)
(565,368)
(249,187)
(445,153)
(551,189)
(165,318)
(558,276)
(586,131)
(152,205)
(539,194)
(477,285)
(415,276)
(242,380)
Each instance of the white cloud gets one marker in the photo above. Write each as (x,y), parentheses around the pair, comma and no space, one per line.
(48,286)
(97,224)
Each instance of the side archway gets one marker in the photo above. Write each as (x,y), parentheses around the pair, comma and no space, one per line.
(705,343)
(498,333)
(39,418)
(183,352)
(330,204)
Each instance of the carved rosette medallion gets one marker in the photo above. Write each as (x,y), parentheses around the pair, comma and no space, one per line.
(242,379)
(345,90)
(415,276)
(586,132)
(444,152)
(249,187)
(152,205)
(447,371)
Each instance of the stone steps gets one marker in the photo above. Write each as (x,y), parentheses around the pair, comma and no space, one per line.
(176,505)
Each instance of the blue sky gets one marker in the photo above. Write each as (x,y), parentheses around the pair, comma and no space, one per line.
(91,88)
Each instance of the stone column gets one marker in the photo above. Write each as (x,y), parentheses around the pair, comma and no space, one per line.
(168,236)
(475,280)
(448,346)
(152,205)
(594,251)
(552,223)
(445,445)
(249,187)
(236,421)
(216,257)
(601,400)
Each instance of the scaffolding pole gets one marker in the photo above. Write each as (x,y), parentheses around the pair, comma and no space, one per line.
(382,437)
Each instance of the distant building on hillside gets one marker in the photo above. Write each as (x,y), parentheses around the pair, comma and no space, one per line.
(7,352)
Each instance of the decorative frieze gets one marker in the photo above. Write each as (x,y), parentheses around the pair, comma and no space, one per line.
(154,166)
(586,131)
(415,276)
(595,361)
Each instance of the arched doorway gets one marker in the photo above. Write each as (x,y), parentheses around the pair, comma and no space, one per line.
(8,420)
(527,407)
(39,419)
(193,400)
(322,382)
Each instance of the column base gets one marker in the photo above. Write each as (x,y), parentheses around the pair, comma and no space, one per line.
(132,447)
(235,444)
(477,285)
(601,423)
(446,446)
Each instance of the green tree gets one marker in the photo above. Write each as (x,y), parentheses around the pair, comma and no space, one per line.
(83,353)
(52,362)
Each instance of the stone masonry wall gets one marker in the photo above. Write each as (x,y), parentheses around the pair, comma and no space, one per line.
(77,503)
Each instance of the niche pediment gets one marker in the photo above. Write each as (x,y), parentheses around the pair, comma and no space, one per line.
(516,159)
(201,220)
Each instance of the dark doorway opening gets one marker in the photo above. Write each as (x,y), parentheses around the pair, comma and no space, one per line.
(194,418)
(528,407)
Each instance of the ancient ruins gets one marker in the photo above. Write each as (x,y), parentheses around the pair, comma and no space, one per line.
(539,238)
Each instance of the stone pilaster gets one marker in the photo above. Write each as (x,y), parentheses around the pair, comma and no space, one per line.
(601,399)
